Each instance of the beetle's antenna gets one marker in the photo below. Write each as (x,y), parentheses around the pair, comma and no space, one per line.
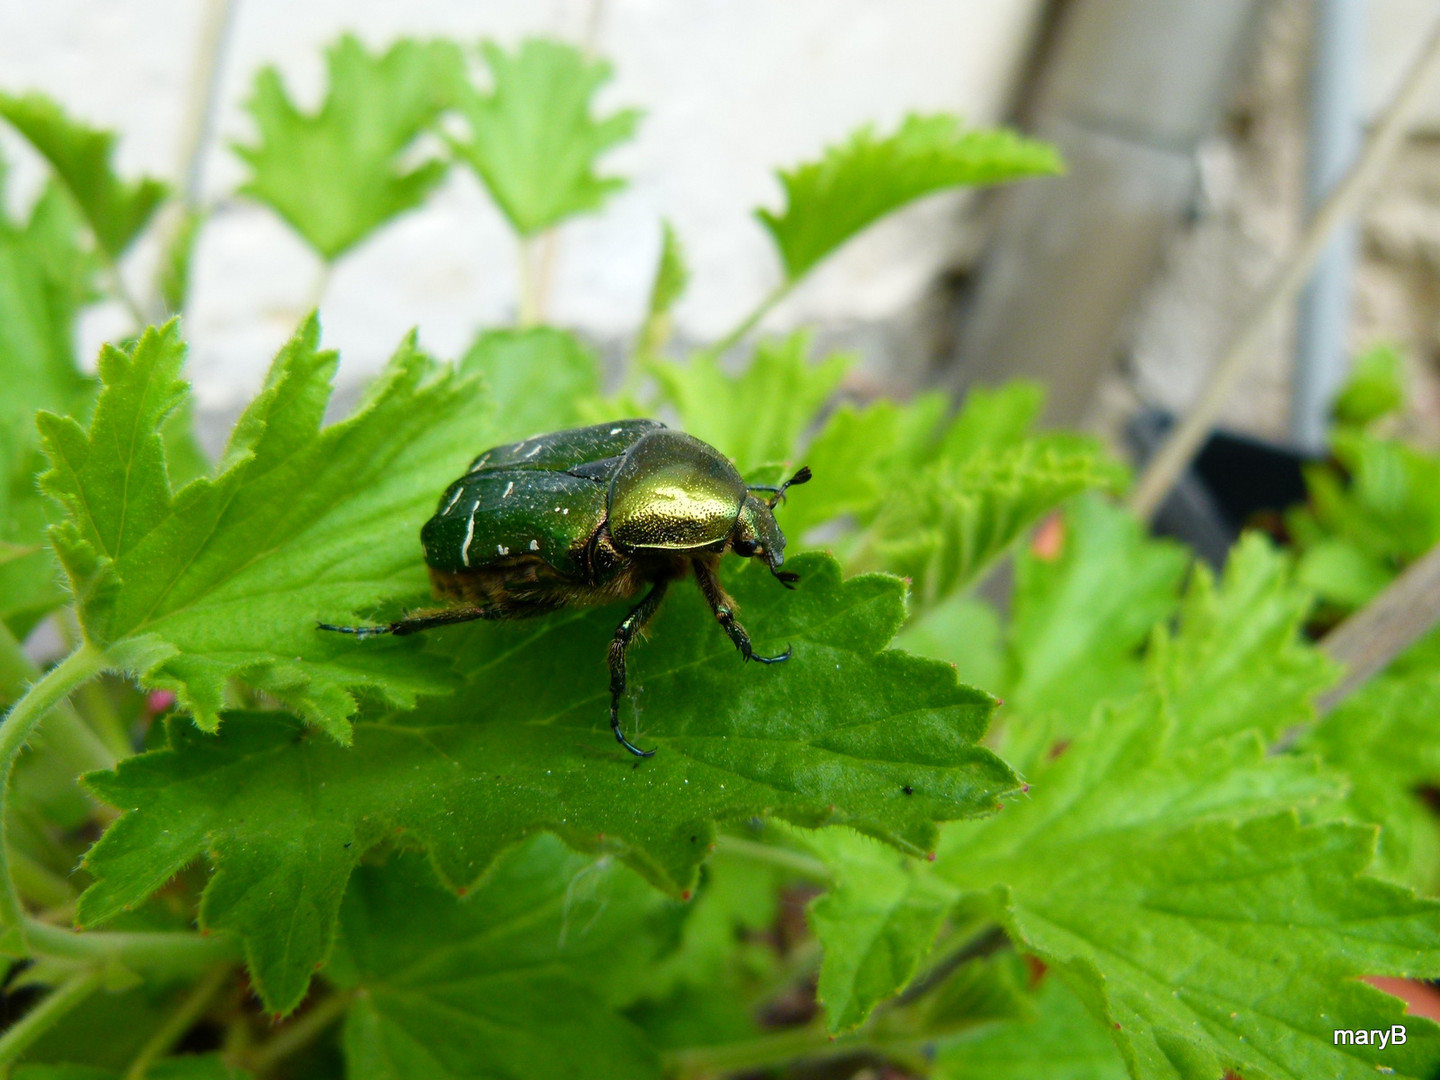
(801,477)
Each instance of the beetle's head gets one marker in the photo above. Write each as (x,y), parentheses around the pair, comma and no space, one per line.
(756,533)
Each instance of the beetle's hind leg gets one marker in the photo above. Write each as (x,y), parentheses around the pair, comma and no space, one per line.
(724,609)
(629,626)
(420,620)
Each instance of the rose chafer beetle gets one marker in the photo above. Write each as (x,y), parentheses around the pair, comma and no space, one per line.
(591,515)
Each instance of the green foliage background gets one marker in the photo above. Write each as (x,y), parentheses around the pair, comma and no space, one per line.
(234,846)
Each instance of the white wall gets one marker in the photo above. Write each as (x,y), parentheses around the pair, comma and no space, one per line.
(732,89)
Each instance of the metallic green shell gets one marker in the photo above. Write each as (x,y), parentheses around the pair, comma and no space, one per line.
(673,491)
(501,516)
(561,451)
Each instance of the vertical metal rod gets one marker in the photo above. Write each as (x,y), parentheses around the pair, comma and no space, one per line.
(1334,136)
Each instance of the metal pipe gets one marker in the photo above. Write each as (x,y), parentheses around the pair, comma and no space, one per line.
(1334,134)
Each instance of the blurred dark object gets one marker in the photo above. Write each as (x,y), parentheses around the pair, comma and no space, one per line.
(1235,481)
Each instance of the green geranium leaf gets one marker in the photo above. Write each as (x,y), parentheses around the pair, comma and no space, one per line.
(116,211)
(1385,739)
(227,577)
(1375,388)
(859,182)
(336,176)
(757,417)
(1060,1042)
(1238,661)
(534,141)
(46,277)
(1174,891)
(546,378)
(183,1067)
(875,923)
(835,735)
(1080,615)
(513,980)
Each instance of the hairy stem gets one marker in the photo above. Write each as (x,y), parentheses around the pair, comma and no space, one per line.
(191,1008)
(161,952)
(79,667)
(52,1008)
(782,858)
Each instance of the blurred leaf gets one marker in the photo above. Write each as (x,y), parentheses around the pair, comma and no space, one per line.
(183,1067)
(756,418)
(1061,1042)
(876,923)
(337,175)
(1385,739)
(510,981)
(1375,388)
(962,631)
(860,181)
(942,525)
(671,277)
(1342,573)
(534,141)
(1080,617)
(46,277)
(227,577)
(116,211)
(543,376)
(525,747)
(1238,660)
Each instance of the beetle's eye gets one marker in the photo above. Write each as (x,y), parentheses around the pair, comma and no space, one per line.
(743,548)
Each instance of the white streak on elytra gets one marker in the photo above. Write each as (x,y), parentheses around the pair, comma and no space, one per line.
(480,464)
(614,431)
(453,500)
(534,545)
(508,489)
(538,448)
(501,549)
(469,533)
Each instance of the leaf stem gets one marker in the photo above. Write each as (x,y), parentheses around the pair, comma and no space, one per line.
(730,340)
(785,1047)
(163,952)
(57,684)
(296,1036)
(180,1021)
(782,858)
(51,1009)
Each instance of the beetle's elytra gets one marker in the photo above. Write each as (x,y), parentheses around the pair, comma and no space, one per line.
(590,515)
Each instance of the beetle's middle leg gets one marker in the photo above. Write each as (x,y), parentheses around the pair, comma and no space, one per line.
(629,626)
(724,609)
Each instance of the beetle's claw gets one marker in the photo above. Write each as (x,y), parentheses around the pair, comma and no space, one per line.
(773,659)
(620,735)
(786,578)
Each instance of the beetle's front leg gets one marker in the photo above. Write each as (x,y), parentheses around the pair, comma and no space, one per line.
(629,626)
(724,609)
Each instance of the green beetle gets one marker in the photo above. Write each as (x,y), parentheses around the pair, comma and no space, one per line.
(592,515)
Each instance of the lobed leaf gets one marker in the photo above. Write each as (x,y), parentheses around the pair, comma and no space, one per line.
(227,577)
(671,277)
(834,736)
(534,141)
(339,174)
(116,211)
(1060,1042)
(857,183)
(1173,890)
(545,378)
(510,981)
